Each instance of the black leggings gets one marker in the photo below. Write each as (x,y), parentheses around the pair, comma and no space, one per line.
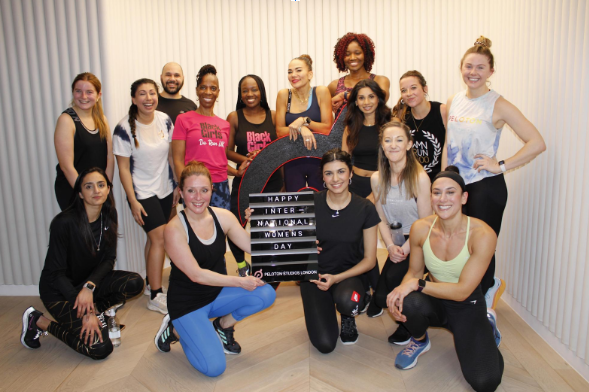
(115,288)
(486,201)
(480,359)
(320,306)
(391,276)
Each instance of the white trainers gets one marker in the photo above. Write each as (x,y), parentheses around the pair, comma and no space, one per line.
(159,303)
(147,290)
(494,293)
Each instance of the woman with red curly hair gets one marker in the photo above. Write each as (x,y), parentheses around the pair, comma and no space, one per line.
(354,53)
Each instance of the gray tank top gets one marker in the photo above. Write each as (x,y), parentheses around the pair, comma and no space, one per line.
(399,208)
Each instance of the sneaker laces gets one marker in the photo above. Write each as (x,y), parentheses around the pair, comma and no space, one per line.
(161,298)
(40,333)
(411,348)
(348,325)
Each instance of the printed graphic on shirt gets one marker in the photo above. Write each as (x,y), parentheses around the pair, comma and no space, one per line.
(211,131)
(257,141)
(428,149)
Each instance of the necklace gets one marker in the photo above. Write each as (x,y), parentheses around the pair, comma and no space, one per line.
(328,199)
(100,239)
(414,123)
(299,97)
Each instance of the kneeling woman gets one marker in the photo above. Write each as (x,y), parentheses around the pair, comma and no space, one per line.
(78,282)
(346,224)
(457,250)
(199,286)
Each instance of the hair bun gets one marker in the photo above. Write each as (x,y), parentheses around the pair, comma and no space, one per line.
(452,168)
(207,69)
(306,56)
(482,41)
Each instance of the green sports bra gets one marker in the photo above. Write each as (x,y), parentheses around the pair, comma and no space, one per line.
(446,271)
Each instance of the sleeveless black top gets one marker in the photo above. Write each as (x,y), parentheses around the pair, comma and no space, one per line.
(89,151)
(251,137)
(365,154)
(184,295)
(428,141)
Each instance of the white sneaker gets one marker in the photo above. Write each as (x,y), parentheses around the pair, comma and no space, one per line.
(159,303)
(494,293)
(147,290)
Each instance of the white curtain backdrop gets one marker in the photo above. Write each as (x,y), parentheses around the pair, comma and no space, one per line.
(541,51)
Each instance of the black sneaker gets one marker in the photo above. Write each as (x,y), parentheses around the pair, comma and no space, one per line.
(230,346)
(349,333)
(367,300)
(373,310)
(30,332)
(401,336)
(165,336)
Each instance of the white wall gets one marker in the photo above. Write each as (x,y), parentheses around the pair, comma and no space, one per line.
(541,49)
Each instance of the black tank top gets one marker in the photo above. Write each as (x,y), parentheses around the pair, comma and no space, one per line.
(314,112)
(251,137)
(428,141)
(365,153)
(184,295)
(89,150)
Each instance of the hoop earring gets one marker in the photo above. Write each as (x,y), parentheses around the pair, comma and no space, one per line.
(402,103)
(350,181)
(324,186)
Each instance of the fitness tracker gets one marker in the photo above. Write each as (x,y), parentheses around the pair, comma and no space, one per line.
(90,286)
(502,166)
(420,285)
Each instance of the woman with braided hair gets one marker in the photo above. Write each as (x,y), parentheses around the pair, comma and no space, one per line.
(200,135)
(475,119)
(354,53)
(424,118)
(141,143)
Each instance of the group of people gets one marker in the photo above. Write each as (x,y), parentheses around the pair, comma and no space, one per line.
(387,173)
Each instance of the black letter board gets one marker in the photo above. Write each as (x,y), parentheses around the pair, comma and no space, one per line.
(284,246)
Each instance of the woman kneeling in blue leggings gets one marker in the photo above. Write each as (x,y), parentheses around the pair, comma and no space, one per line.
(199,286)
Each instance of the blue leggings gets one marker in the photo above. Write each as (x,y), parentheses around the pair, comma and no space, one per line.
(198,338)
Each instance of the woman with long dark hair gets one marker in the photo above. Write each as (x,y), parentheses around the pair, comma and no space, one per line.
(476,117)
(78,283)
(252,128)
(82,137)
(142,146)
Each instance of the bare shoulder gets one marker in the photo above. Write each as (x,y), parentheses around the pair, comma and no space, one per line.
(421,227)
(443,110)
(332,87)
(479,230)
(232,118)
(423,178)
(382,80)
(283,94)
(65,121)
(322,91)
(225,217)
(174,227)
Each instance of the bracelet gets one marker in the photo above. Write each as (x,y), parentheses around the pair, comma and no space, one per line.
(390,246)
(346,95)
(299,129)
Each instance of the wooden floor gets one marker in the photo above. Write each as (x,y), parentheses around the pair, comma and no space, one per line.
(276,356)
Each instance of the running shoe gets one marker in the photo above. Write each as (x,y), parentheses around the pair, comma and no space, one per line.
(159,303)
(147,289)
(230,346)
(30,332)
(373,310)
(494,293)
(401,336)
(407,358)
(165,336)
(492,317)
(349,332)
(367,300)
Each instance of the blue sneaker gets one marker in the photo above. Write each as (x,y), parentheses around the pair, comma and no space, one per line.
(407,358)
(494,293)
(492,317)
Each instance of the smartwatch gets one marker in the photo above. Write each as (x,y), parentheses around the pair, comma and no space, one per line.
(90,286)
(420,285)
(308,120)
(502,166)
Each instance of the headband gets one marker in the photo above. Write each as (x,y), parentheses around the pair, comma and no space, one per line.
(453,176)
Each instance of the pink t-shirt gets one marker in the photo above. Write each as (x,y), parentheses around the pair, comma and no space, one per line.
(206,139)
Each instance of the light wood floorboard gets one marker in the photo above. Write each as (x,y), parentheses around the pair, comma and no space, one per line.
(276,356)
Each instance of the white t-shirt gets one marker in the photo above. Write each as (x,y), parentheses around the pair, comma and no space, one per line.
(150,168)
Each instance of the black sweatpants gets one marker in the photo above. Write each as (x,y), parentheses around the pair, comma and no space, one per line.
(320,306)
(486,201)
(115,288)
(480,359)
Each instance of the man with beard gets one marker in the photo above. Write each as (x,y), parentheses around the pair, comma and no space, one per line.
(170,100)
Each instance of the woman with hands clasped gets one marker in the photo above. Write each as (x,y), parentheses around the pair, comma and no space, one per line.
(346,233)
(199,286)
(456,249)
(303,110)
(78,283)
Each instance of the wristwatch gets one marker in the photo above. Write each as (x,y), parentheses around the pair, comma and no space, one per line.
(90,286)
(420,285)
(502,166)
(307,121)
